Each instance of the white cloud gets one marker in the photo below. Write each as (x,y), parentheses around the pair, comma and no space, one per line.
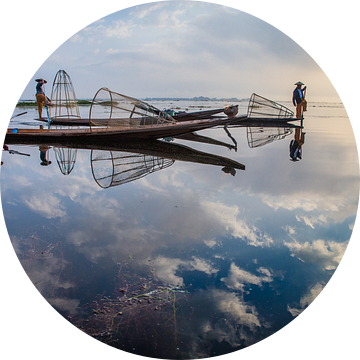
(237,309)
(228,217)
(23,181)
(210,243)
(326,254)
(119,29)
(202,265)
(144,10)
(63,304)
(76,38)
(46,205)
(167,267)
(238,278)
(306,300)
(201,39)
(312,221)
(290,202)
(112,51)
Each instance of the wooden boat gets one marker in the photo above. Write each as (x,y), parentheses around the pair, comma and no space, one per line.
(108,105)
(179,117)
(128,132)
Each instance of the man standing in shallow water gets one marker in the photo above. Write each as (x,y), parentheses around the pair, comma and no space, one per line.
(299,99)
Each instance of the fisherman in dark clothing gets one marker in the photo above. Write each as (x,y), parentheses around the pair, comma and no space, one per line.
(299,99)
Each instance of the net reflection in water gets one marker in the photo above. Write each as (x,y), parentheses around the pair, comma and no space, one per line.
(112,168)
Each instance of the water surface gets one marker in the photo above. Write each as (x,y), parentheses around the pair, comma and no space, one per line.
(225,257)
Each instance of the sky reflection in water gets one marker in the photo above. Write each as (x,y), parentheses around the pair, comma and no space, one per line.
(252,251)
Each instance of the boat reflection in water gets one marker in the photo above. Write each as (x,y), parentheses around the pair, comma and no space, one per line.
(112,167)
(115,163)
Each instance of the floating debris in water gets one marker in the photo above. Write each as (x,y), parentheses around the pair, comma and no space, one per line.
(136,303)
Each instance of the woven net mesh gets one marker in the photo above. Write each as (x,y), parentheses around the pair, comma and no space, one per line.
(112,109)
(260,136)
(260,107)
(63,98)
(66,159)
(113,168)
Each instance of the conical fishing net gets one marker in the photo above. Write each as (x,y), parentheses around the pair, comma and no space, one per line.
(260,136)
(112,168)
(63,98)
(111,109)
(66,159)
(260,107)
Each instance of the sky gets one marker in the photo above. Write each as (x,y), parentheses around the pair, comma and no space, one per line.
(184,49)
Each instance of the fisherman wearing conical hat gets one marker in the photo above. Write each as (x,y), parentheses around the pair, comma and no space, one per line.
(299,99)
(40,96)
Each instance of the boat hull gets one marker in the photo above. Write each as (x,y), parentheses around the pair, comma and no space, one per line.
(118,133)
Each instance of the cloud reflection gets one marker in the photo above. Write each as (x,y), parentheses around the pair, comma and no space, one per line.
(45,268)
(238,278)
(222,318)
(306,300)
(326,254)
(166,268)
(229,217)
(46,205)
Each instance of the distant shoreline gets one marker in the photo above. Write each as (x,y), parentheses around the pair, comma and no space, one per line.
(197,98)
(23,103)
(85,102)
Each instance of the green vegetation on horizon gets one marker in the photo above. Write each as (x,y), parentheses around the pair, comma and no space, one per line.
(34,103)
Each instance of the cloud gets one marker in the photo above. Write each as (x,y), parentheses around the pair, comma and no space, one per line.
(146,9)
(326,254)
(237,309)
(119,29)
(112,51)
(69,305)
(228,217)
(46,205)
(199,46)
(166,268)
(238,278)
(232,322)
(312,221)
(76,38)
(306,300)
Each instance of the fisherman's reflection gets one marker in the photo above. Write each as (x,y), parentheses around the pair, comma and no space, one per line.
(43,155)
(296,145)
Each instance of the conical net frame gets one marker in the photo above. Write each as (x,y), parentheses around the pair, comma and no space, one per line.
(113,168)
(63,98)
(66,159)
(260,107)
(260,136)
(111,109)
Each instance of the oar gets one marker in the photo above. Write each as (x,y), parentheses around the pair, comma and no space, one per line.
(19,115)
(18,153)
(47,110)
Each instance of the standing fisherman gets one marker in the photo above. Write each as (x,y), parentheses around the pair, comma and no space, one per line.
(299,99)
(40,96)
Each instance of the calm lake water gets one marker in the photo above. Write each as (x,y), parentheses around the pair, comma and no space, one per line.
(168,252)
